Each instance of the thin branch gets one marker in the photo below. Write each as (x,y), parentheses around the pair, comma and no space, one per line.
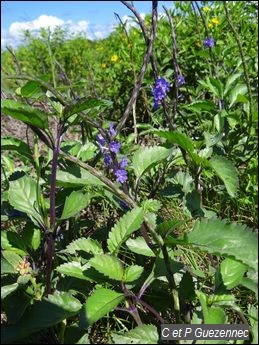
(142,71)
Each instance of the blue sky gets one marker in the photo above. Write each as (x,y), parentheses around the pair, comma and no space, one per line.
(95,18)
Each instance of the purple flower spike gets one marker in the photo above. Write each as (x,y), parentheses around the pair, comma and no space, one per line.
(115,146)
(209,42)
(181,80)
(107,159)
(121,175)
(100,139)
(111,130)
(159,91)
(123,163)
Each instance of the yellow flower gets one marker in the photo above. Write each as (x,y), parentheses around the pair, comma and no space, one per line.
(206,9)
(103,65)
(215,21)
(114,58)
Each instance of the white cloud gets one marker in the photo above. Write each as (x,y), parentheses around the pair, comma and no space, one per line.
(15,34)
(129,21)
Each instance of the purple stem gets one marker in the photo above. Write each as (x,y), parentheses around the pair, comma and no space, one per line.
(51,235)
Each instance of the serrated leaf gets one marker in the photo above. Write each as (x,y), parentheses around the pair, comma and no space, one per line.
(126,225)
(74,203)
(32,89)
(212,315)
(199,106)
(15,144)
(226,300)
(87,245)
(12,241)
(227,172)
(13,258)
(72,269)
(151,205)
(167,227)
(229,239)
(177,138)
(6,267)
(15,305)
(8,289)
(143,334)
(239,89)
(100,303)
(232,272)
(145,157)
(108,265)
(32,237)
(23,197)
(82,178)
(56,307)
(85,103)
(132,273)
(230,81)
(139,246)
(25,113)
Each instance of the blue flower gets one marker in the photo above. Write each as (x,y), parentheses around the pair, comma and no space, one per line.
(107,159)
(115,146)
(121,175)
(209,42)
(123,163)
(101,142)
(111,130)
(180,80)
(159,91)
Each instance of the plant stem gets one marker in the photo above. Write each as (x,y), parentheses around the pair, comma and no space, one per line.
(51,234)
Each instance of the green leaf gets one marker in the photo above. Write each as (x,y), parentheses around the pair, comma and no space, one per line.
(126,225)
(151,205)
(230,81)
(25,113)
(56,307)
(229,239)
(226,300)
(212,315)
(74,203)
(187,287)
(100,303)
(232,272)
(23,197)
(87,245)
(178,138)
(168,226)
(32,89)
(72,269)
(239,89)
(8,289)
(32,237)
(85,103)
(12,258)
(15,144)
(139,246)
(132,273)
(146,157)
(6,267)
(83,178)
(12,241)
(15,305)
(143,334)
(108,265)
(227,172)
(199,106)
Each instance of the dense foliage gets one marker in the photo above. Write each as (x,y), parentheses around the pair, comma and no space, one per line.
(147,212)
